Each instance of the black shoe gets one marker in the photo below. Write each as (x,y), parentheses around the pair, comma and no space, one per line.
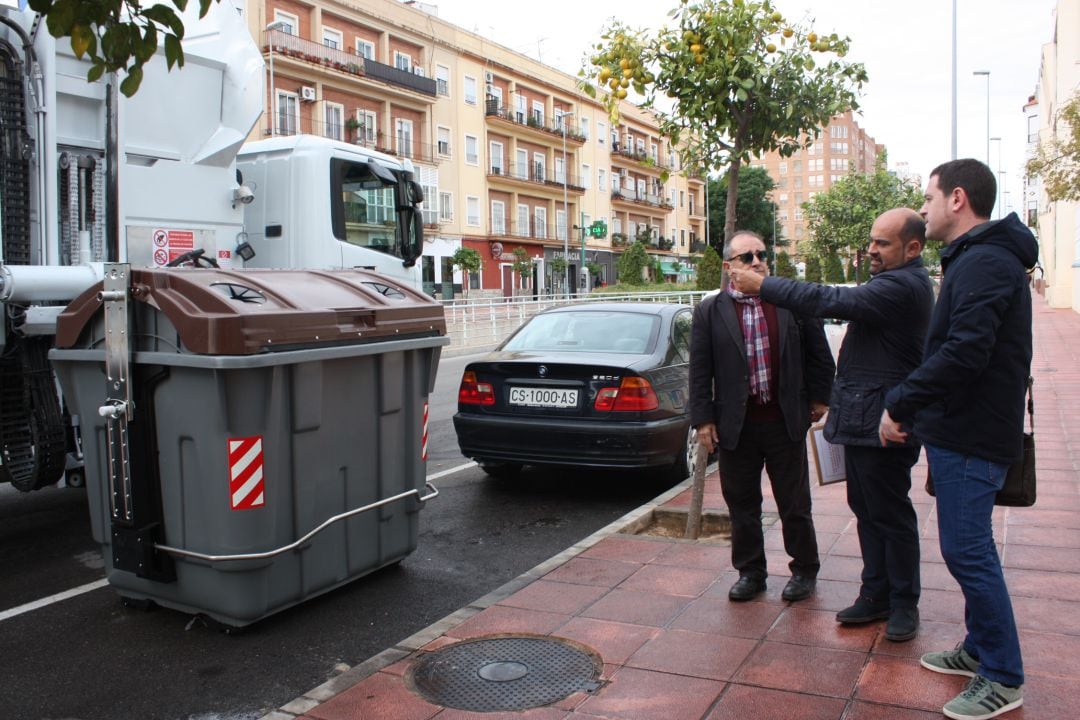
(799,587)
(863,611)
(746,588)
(903,624)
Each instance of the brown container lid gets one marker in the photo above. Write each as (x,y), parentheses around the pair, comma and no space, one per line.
(243,312)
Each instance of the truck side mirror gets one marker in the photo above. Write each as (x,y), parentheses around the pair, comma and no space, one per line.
(413,235)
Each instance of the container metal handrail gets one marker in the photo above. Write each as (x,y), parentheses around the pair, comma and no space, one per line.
(181,552)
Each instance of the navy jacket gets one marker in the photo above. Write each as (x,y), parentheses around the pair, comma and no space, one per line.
(968,394)
(720,372)
(884,342)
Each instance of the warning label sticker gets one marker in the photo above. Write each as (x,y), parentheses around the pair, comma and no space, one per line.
(246,484)
(171,244)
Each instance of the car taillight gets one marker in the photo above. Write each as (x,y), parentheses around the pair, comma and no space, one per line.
(472,392)
(633,393)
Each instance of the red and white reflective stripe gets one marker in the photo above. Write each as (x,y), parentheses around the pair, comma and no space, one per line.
(423,436)
(246,487)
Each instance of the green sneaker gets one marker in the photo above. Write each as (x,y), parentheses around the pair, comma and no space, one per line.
(951,662)
(983,699)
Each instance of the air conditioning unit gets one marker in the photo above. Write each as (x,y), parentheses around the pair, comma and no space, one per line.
(307,93)
(417,70)
(489,77)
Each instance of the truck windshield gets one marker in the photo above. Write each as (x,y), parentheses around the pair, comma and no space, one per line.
(364,212)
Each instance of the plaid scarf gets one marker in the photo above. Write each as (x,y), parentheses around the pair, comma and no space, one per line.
(756,335)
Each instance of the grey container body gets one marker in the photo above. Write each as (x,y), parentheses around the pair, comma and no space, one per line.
(341,427)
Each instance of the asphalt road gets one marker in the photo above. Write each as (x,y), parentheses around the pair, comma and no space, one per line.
(88,657)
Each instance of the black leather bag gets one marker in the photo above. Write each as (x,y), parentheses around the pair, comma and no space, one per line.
(1019,487)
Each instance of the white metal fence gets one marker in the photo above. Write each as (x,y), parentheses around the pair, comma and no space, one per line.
(475,325)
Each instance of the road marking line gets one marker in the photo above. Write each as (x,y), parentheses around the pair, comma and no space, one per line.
(451,471)
(61,596)
(52,599)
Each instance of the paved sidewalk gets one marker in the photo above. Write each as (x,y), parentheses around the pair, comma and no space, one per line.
(674,648)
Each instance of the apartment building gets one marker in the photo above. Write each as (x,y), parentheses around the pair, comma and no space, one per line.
(511,154)
(1059,76)
(841,148)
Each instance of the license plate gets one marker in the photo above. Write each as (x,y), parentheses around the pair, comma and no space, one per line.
(543,397)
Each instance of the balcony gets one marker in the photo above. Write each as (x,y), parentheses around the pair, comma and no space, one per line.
(306,124)
(697,247)
(347,63)
(528,231)
(633,197)
(535,175)
(501,113)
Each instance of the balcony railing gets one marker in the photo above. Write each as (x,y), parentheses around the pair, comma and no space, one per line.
(347,62)
(533,174)
(306,124)
(531,229)
(632,195)
(492,108)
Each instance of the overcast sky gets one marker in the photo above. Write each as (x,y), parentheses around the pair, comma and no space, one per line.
(905,45)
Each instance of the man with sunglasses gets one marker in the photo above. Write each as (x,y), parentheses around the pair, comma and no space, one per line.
(884,341)
(758,376)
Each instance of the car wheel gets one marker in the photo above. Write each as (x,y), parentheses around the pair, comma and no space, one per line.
(502,471)
(688,456)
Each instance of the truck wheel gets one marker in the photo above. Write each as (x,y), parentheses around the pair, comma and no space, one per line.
(501,471)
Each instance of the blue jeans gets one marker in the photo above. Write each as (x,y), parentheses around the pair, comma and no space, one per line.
(965,487)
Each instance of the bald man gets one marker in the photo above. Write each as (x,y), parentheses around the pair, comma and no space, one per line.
(884,342)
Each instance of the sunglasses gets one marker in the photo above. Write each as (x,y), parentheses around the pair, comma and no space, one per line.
(748,257)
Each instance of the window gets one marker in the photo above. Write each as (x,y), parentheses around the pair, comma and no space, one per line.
(586,176)
(816,165)
(672,202)
(682,199)
(796,166)
(335,121)
(521,166)
(368,129)
(616,226)
(519,108)
(498,217)
(841,148)
(640,146)
(403,135)
(601,133)
(601,180)
(1033,128)
(693,204)
(654,153)
(538,112)
(495,152)
(402,61)
(783,198)
(522,221)
(470,90)
(291,22)
(443,141)
(442,80)
(332,38)
(584,127)
(288,109)
(365,49)
(783,167)
(560,225)
(472,150)
(446,207)
(798,213)
(838,131)
(472,211)
(539,169)
(560,170)
(540,221)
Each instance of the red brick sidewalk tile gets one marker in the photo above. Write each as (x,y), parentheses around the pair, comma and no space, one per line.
(499,619)
(378,696)
(720,616)
(900,681)
(1050,654)
(626,549)
(670,579)
(873,711)
(696,555)
(637,608)
(799,668)
(555,597)
(644,695)
(586,571)
(694,654)
(615,642)
(799,626)
(743,702)
(1060,616)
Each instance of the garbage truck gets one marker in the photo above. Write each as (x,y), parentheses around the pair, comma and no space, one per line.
(160,179)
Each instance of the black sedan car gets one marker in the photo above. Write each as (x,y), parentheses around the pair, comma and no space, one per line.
(600,385)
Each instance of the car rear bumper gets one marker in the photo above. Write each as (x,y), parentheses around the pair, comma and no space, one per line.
(569,442)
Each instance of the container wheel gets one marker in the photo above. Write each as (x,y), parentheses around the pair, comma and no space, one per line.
(75,478)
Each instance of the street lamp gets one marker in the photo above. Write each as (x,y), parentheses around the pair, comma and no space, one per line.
(998,169)
(277,25)
(1004,193)
(987,74)
(565,209)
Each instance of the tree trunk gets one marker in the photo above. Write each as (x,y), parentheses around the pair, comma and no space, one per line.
(732,196)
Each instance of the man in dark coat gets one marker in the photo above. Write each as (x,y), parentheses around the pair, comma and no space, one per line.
(965,403)
(758,375)
(884,342)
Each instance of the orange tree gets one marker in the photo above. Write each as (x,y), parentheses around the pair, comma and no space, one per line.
(740,80)
(118,35)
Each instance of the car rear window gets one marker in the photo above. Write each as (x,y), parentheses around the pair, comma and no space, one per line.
(587,331)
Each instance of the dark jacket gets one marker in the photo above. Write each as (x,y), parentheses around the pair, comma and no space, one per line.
(884,342)
(720,372)
(967,396)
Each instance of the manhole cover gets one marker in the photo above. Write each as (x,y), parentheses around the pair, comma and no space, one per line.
(504,673)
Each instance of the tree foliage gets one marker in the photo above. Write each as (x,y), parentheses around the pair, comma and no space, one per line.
(741,81)
(813,269)
(118,35)
(1057,160)
(709,269)
(468,261)
(523,264)
(834,269)
(840,219)
(632,264)
(754,209)
(784,267)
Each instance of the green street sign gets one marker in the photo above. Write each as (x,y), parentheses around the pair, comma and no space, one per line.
(598,229)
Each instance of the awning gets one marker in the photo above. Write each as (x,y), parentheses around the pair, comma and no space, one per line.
(668,268)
